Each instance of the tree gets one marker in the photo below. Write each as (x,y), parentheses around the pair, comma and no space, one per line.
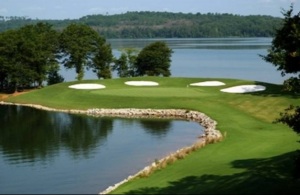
(285,50)
(125,64)
(154,60)
(121,66)
(102,60)
(8,55)
(53,75)
(291,117)
(285,54)
(26,55)
(39,49)
(78,42)
(14,57)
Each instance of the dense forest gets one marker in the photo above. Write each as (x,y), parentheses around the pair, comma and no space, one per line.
(163,25)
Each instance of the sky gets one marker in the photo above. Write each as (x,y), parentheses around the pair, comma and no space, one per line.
(74,9)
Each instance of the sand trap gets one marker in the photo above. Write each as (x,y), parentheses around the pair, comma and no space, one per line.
(141,83)
(244,89)
(208,83)
(87,86)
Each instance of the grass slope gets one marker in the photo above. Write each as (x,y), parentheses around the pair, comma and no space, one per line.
(256,157)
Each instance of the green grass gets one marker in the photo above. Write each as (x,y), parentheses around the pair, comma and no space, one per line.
(256,157)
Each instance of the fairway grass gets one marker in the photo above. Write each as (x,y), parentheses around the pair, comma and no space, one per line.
(256,156)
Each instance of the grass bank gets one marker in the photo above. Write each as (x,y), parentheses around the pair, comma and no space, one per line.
(256,157)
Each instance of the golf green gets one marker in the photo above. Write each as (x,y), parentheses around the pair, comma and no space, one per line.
(255,157)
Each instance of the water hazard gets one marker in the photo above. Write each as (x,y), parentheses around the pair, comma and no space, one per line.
(52,152)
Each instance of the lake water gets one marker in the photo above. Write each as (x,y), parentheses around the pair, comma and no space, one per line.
(236,58)
(52,152)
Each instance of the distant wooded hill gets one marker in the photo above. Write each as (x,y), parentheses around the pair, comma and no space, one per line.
(164,25)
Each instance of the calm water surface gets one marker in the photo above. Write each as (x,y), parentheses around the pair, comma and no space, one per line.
(236,58)
(51,152)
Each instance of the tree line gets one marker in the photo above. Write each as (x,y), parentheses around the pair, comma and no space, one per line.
(146,24)
(31,55)
(285,55)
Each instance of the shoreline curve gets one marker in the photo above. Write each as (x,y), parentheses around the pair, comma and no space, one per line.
(211,134)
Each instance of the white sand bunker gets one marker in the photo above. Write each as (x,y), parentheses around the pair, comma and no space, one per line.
(87,86)
(244,89)
(208,83)
(141,83)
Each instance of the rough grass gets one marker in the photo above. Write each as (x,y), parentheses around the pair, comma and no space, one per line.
(256,156)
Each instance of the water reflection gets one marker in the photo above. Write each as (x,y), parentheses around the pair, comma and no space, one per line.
(80,135)
(51,152)
(22,136)
(30,133)
(160,128)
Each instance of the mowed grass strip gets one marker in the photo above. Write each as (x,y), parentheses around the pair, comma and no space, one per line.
(256,156)
(153,92)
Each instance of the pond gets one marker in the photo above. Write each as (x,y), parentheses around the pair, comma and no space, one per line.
(52,152)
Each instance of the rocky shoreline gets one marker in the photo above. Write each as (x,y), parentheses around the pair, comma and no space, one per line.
(211,134)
